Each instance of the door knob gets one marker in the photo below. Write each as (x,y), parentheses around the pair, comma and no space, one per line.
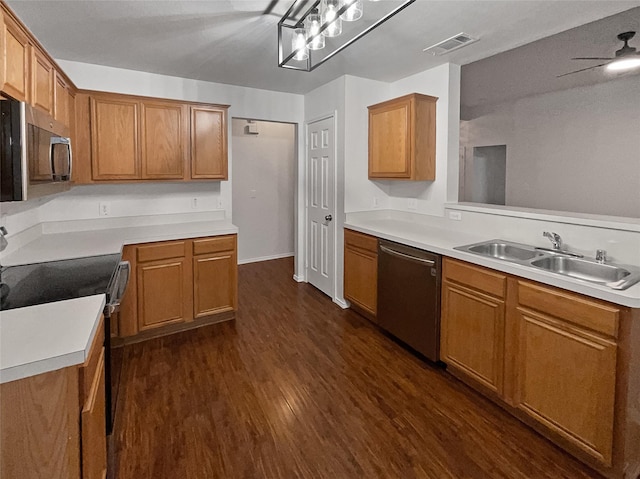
(328,218)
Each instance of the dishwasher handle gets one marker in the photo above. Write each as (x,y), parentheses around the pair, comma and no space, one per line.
(426,262)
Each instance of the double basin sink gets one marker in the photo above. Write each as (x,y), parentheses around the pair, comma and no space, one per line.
(563,263)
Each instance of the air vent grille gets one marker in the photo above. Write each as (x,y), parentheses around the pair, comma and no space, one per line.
(450,44)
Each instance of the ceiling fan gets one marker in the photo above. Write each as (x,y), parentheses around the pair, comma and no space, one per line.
(626,58)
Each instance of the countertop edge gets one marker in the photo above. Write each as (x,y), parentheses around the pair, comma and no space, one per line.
(598,292)
(54,363)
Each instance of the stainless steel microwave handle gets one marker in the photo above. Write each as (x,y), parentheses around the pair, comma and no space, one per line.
(426,262)
(56,140)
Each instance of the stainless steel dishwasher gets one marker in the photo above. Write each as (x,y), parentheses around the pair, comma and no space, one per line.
(409,296)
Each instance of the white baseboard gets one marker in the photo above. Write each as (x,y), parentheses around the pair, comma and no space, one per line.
(299,278)
(341,302)
(265,258)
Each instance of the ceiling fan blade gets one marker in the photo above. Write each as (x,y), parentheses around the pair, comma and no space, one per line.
(593,58)
(582,70)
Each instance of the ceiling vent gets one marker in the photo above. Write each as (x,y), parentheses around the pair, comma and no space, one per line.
(450,44)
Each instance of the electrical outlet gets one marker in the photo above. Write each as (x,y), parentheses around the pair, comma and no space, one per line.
(376,202)
(220,204)
(104,208)
(455,215)
(194,203)
(412,203)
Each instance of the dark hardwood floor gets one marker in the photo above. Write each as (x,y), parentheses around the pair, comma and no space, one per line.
(295,387)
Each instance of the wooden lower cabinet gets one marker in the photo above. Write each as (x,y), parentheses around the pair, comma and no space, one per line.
(472,334)
(162,293)
(214,276)
(562,362)
(361,272)
(565,379)
(177,285)
(53,424)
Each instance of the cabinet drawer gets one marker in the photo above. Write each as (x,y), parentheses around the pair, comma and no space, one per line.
(91,363)
(589,313)
(476,277)
(214,245)
(361,240)
(156,251)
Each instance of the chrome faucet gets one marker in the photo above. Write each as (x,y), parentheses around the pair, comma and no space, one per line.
(555,239)
(601,256)
(3,241)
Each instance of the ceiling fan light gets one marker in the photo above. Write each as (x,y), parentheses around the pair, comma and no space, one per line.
(299,44)
(313,31)
(354,12)
(622,64)
(330,17)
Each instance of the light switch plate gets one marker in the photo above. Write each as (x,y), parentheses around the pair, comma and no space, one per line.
(455,215)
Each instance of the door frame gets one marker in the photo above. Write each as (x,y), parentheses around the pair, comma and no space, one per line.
(305,188)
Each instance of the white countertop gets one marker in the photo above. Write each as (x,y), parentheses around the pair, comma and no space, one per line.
(436,238)
(47,337)
(79,244)
(51,336)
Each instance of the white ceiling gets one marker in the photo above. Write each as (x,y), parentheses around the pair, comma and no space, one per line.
(533,68)
(234,42)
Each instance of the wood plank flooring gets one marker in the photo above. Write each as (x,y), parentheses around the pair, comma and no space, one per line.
(295,387)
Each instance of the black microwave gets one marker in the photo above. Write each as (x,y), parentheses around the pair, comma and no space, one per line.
(35,153)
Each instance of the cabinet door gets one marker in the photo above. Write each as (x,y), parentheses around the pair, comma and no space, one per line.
(473,334)
(42,79)
(214,283)
(162,293)
(361,278)
(163,138)
(389,141)
(114,139)
(208,143)
(62,101)
(94,440)
(14,64)
(565,379)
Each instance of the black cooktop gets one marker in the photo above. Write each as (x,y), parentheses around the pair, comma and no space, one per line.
(38,283)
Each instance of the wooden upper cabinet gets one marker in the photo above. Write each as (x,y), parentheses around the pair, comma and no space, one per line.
(63,100)
(114,139)
(208,142)
(402,138)
(42,80)
(163,134)
(15,61)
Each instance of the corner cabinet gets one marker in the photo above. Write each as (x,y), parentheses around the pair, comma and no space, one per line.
(402,138)
(562,362)
(178,285)
(361,272)
(140,139)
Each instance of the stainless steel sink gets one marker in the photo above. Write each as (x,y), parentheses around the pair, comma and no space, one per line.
(505,251)
(582,269)
(607,274)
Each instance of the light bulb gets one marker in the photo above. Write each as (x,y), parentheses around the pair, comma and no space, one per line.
(625,63)
(299,44)
(330,17)
(313,28)
(354,12)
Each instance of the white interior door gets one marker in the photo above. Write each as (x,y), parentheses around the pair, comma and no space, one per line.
(320,204)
